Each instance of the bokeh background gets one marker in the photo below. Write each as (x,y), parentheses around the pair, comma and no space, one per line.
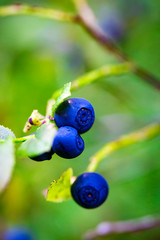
(37,56)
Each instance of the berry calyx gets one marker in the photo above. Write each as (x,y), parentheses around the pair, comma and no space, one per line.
(90,190)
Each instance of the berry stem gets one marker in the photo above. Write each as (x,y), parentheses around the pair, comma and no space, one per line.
(90,77)
(131,226)
(88,21)
(108,70)
(143,134)
(49,13)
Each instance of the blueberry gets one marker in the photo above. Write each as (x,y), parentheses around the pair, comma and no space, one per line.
(17,233)
(90,190)
(43,156)
(112,22)
(67,143)
(113,28)
(75,112)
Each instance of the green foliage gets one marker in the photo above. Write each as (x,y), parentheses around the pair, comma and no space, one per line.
(5,132)
(61,95)
(37,57)
(6,161)
(59,190)
(41,143)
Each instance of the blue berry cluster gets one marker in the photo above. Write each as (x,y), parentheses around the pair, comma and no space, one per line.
(73,117)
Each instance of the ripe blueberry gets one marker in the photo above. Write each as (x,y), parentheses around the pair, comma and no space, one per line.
(75,112)
(67,143)
(43,156)
(90,190)
(114,28)
(17,233)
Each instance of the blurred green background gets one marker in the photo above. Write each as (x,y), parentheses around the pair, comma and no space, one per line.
(37,56)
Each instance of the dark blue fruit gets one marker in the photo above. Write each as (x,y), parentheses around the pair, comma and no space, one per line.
(17,233)
(43,156)
(112,23)
(113,28)
(75,112)
(90,190)
(67,143)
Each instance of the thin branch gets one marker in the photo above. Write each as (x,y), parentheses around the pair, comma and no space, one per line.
(146,133)
(105,71)
(89,23)
(22,9)
(90,77)
(131,226)
(87,20)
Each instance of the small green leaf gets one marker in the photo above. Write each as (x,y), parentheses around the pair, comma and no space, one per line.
(41,143)
(64,94)
(59,190)
(5,132)
(7,160)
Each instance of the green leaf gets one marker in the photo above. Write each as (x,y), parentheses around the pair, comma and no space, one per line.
(41,143)
(5,132)
(64,94)
(59,190)
(7,160)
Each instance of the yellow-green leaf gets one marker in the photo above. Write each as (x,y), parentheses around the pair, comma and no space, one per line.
(41,143)
(59,190)
(64,93)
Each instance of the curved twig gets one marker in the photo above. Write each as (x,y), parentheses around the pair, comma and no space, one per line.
(146,133)
(92,76)
(89,23)
(24,9)
(131,226)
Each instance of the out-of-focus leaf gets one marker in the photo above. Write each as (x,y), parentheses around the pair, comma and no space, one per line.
(7,160)
(41,143)
(65,93)
(59,190)
(5,132)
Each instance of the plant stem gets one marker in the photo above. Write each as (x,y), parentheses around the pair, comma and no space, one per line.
(88,21)
(22,9)
(23,139)
(105,71)
(146,133)
(130,226)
